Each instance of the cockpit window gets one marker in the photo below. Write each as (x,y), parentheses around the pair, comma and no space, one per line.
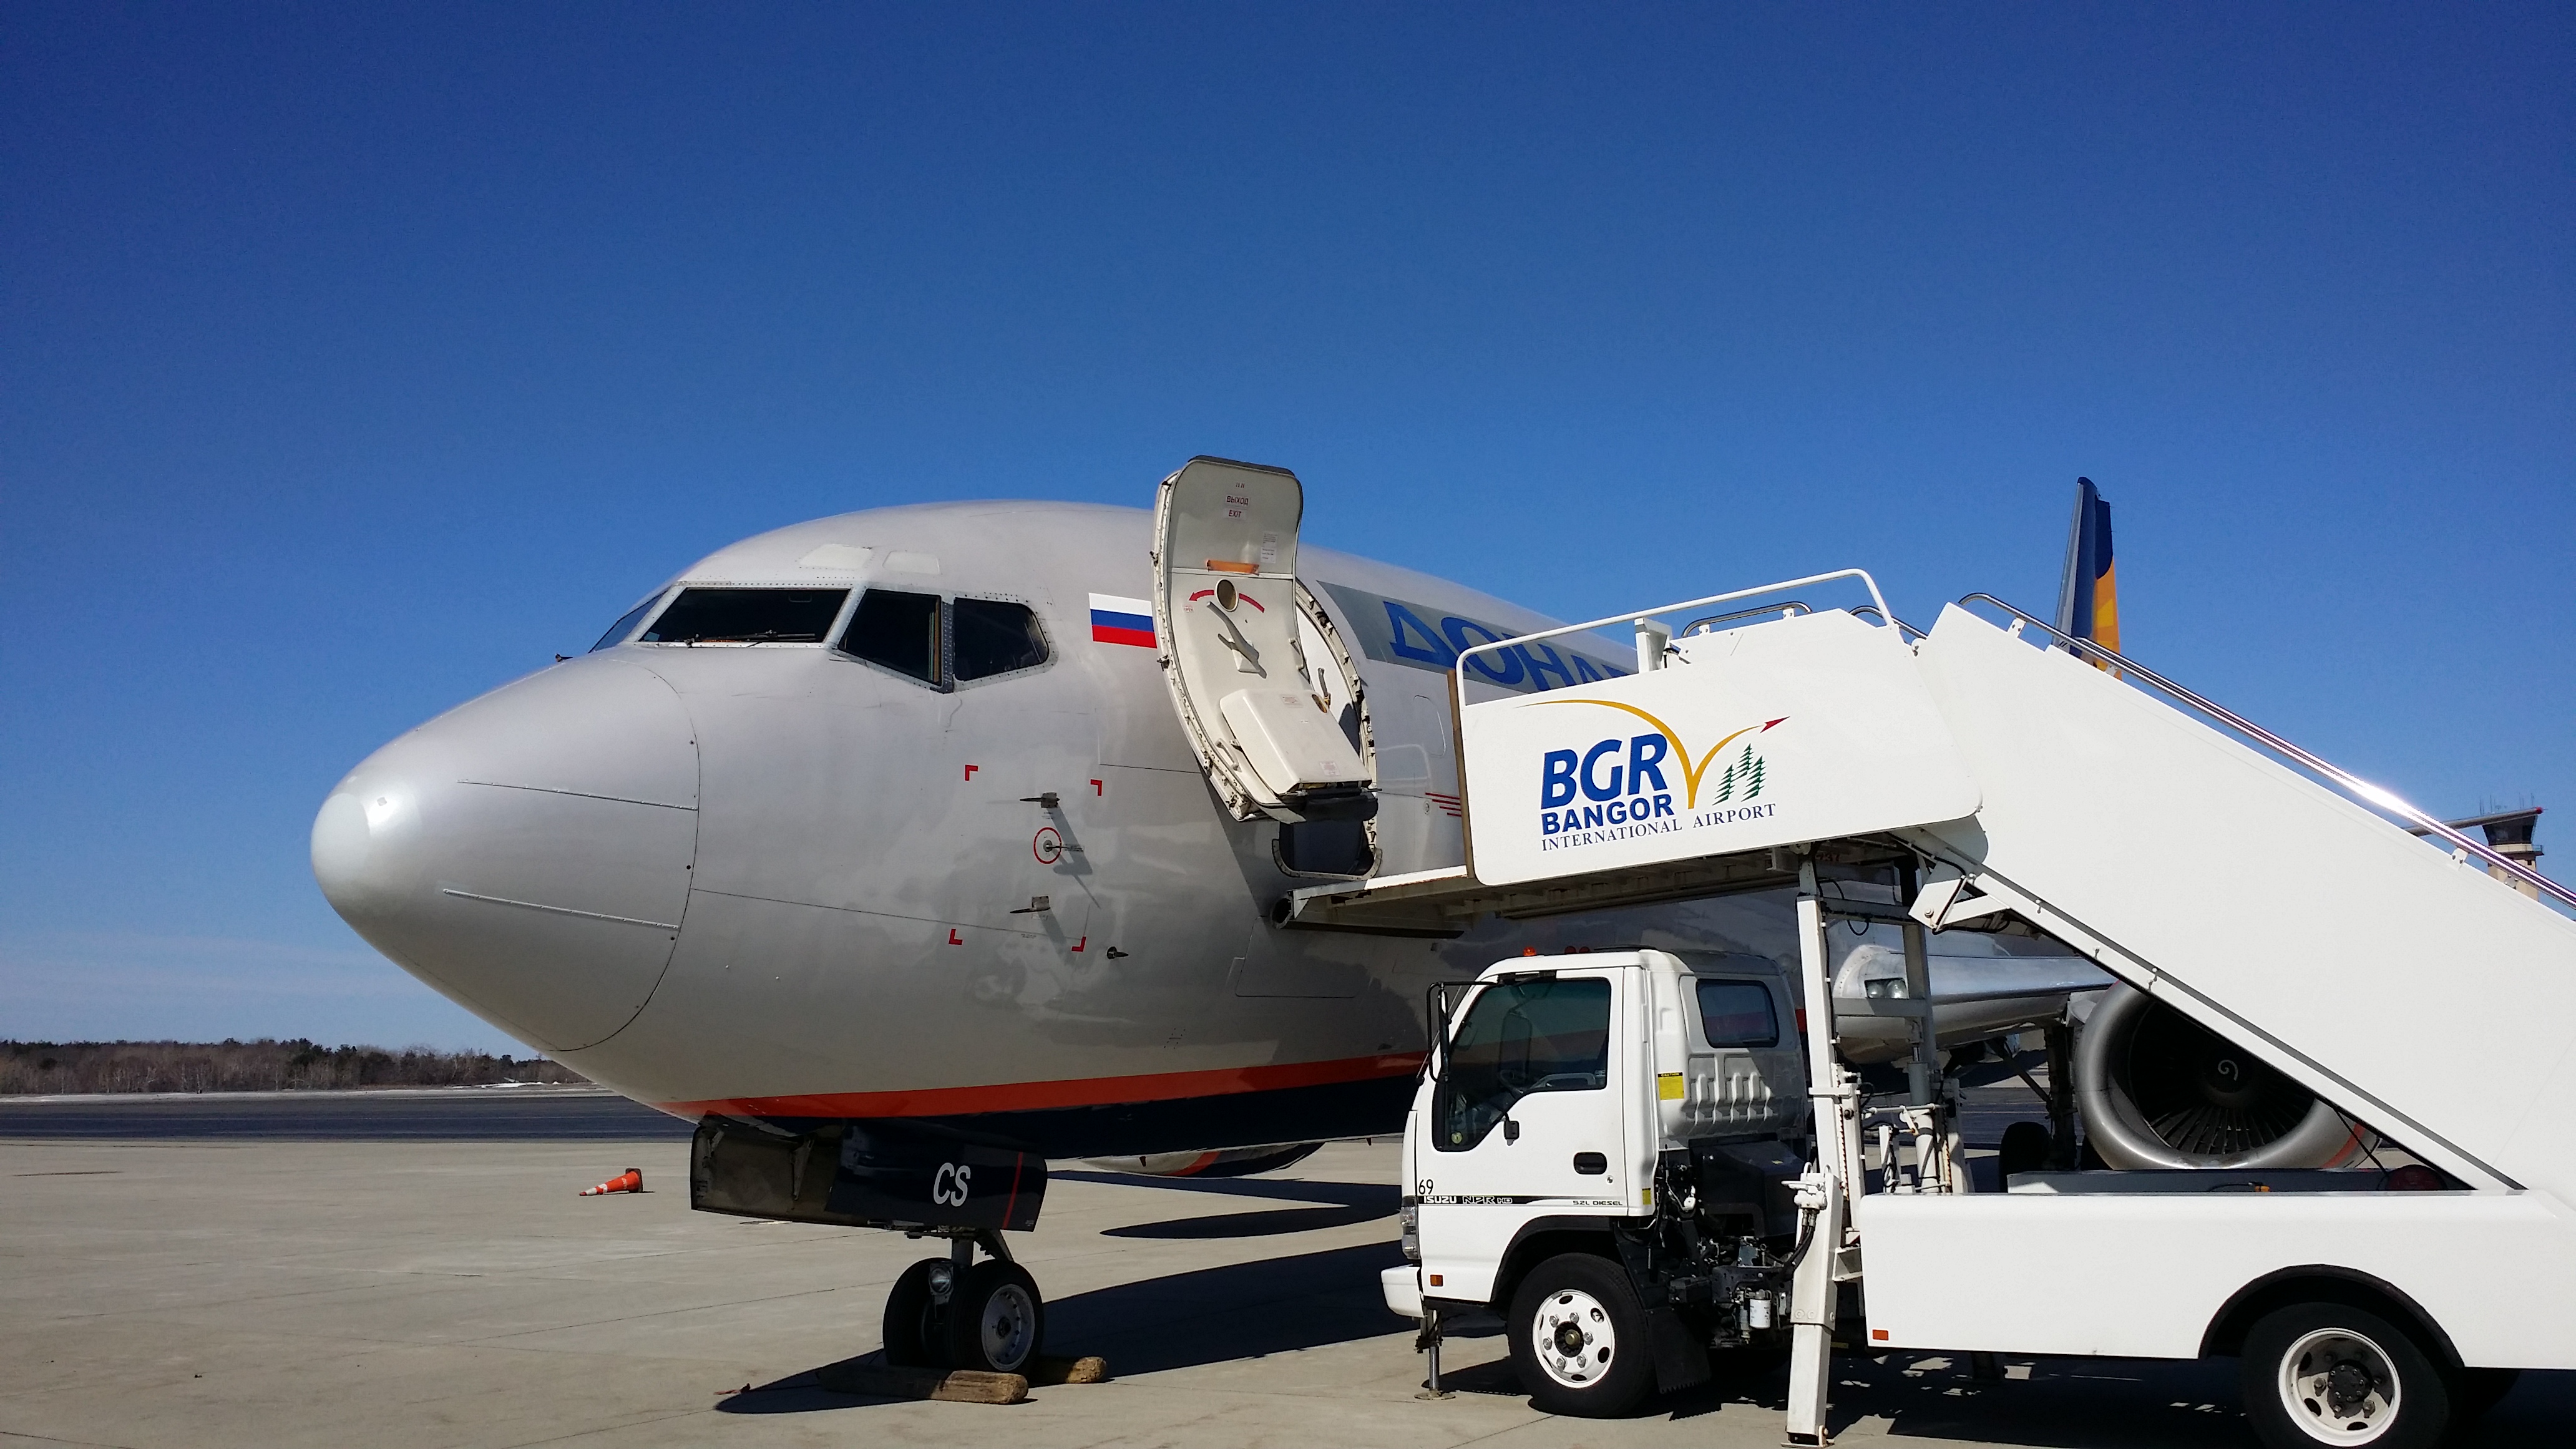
(747,616)
(898,630)
(994,637)
(625,624)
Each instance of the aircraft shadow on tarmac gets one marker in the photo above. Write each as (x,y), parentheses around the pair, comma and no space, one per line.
(1182,1320)
(1343,1204)
(1253,1225)
(1340,1194)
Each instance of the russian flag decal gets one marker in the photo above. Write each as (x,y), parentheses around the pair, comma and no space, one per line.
(1121,621)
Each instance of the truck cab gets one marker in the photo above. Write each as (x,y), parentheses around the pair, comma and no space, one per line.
(1596,1151)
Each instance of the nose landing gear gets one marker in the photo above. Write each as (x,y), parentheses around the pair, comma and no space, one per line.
(957,1313)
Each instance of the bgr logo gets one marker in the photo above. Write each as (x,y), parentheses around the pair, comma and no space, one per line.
(1615,774)
(1617,789)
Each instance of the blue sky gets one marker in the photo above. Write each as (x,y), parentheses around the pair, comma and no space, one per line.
(356,360)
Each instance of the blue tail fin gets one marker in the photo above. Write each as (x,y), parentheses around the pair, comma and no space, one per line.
(2088,597)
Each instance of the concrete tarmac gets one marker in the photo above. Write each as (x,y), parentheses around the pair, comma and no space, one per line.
(238,1289)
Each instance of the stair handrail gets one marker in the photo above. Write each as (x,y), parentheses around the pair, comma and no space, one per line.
(1784,607)
(1458,669)
(1903,629)
(2371,794)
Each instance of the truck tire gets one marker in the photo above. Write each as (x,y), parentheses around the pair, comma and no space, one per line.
(996,1320)
(915,1333)
(1578,1338)
(2025,1148)
(2331,1374)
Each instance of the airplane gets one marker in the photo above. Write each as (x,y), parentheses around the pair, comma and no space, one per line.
(943,840)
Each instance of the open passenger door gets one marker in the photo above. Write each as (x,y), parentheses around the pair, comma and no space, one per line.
(1226,604)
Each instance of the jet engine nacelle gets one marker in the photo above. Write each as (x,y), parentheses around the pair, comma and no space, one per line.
(1226,1162)
(2159,1090)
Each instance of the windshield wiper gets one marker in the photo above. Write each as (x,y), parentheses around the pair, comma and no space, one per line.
(765,636)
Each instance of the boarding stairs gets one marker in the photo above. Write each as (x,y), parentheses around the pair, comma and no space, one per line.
(2428,991)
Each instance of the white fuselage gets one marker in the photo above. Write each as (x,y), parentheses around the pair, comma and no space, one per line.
(776,880)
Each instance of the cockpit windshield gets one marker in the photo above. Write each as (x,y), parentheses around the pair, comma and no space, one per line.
(625,624)
(1520,1037)
(747,616)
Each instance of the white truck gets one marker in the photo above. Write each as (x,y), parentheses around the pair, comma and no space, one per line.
(1597,1150)
(1565,1170)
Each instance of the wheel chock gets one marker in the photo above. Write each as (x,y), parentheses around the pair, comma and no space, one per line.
(954,1386)
(1090,1369)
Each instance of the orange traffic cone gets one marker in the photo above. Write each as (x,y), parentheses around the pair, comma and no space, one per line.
(631,1180)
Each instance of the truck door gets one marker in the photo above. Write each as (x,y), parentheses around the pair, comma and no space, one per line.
(1226,622)
(1526,1106)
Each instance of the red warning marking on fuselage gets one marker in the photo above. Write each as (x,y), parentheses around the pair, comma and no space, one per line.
(953,939)
(971,769)
(1240,594)
(1047,846)
(1086,1092)
(1085,941)
(1096,789)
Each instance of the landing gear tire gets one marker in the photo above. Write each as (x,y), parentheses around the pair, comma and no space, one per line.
(2328,1374)
(916,1316)
(996,1320)
(1579,1338)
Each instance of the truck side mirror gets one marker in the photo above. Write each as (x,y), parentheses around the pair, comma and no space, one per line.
(1511,1130)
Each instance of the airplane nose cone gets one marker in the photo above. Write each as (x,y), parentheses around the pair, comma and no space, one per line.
(527,854)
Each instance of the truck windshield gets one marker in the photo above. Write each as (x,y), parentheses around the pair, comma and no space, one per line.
(1520,1037)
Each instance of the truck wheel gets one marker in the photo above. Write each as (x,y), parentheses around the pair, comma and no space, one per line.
(996,1321)
(2025,1148)
(2326,1373)
(916,1316)
(1579,1338)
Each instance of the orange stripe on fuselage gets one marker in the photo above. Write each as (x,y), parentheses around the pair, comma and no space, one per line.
(1040,1096)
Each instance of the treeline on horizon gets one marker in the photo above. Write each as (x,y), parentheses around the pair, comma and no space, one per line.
(32,1068)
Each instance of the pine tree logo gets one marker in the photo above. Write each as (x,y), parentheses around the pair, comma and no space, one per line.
(1745,772)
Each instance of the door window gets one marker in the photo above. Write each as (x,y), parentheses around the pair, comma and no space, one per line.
(1520,1037)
